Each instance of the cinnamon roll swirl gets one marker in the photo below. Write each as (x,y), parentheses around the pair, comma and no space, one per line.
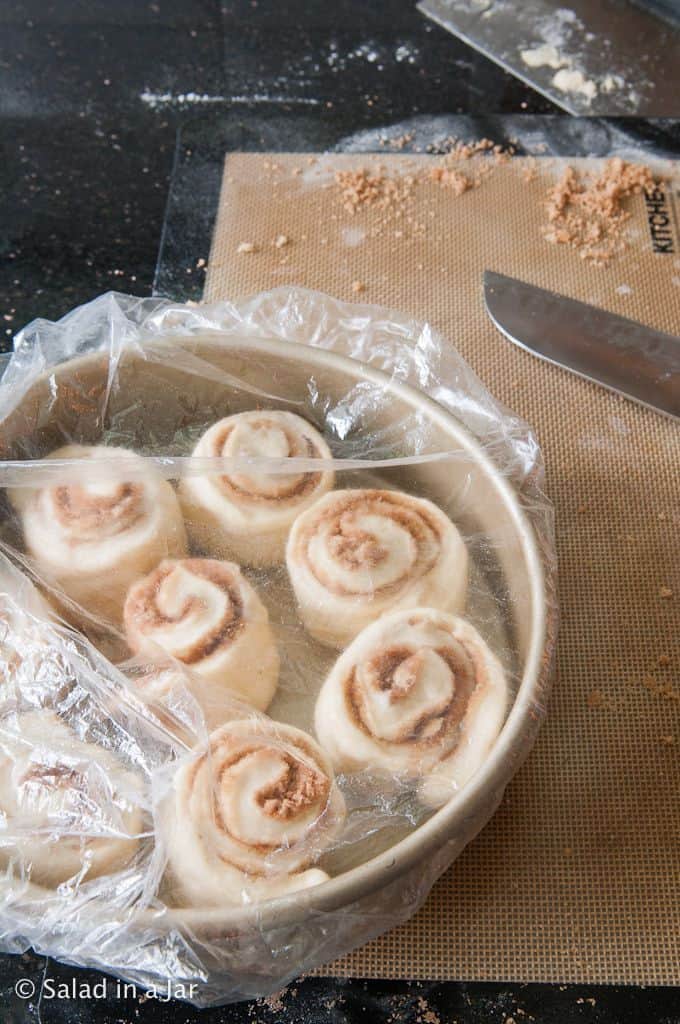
(357,554)
(247,817)
(205,614)
(68,809)
(418,693)
(246,515)
(93,540)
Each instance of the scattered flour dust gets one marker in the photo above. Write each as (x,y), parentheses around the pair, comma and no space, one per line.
(574,81)
(611,83)
(372,53)
(158,100)
(562,48)
(542,57)
(353,236)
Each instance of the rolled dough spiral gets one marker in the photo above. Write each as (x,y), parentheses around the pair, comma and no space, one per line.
(205,614)
(418,693)
(68,808)
(93,540)
(246,515)
(356,554)
(247,817)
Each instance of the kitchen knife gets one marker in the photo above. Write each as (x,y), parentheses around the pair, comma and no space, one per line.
(618,353)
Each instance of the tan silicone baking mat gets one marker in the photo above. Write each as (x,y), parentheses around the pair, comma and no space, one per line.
(577,877)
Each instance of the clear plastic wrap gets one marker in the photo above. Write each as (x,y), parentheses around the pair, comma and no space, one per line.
(268,667)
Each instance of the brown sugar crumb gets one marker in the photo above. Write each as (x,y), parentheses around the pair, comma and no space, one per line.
(359,188)
(660,689)
(364,187)
(587,213)
(451,178)
(274,1003)
(246,247)
(358,286)
(459,150)
(597,699)
(398,142)
(664,659)
(425,1014)
(530,170)
(480,158)
(665,592)
(668,741)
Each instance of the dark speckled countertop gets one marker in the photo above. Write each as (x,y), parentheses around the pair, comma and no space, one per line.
(92,93)
(91,97)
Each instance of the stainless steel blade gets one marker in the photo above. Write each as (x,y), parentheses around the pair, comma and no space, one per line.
(618,353)
(607,58)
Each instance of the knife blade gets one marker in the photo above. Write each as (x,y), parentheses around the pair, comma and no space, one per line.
(620,354)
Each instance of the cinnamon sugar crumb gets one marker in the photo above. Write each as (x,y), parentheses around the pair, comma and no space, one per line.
(362,187)
(451,178)
(358,286)
(597,699)
(667,740)
(274,1003)
(424,1014)
(393,194)
(664,659)
(397,142)
(587,213)
(665,592)
(665,690)
(530,170)
(298,788)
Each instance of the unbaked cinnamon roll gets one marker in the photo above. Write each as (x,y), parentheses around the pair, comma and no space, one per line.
(419,694)
(357,554)
(69,809)
(205,614)
(93,540)
(247,818)
(246,515)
